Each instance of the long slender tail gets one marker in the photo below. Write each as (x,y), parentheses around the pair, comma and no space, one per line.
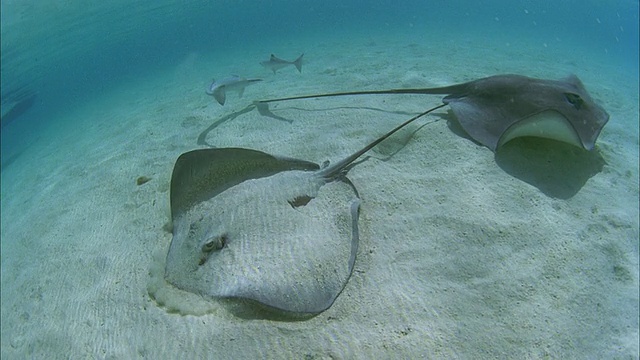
(333,169)
(426,91)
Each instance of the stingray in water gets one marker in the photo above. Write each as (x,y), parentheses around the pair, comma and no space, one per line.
(278,231)
(499,108)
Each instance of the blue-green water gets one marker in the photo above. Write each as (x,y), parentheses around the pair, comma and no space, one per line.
(463,253)
(66,52)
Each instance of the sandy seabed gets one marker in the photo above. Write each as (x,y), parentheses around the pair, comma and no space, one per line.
(528,253)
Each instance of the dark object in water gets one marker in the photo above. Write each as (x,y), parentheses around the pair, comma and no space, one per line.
(275,63)
(218,89)
(15,106)
(499,108)
(142,180)
(278,231)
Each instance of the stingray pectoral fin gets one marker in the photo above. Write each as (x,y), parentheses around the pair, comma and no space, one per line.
(483,123)
(548,124)
(199,175)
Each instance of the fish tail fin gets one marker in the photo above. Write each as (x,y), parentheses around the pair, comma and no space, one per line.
(298,63)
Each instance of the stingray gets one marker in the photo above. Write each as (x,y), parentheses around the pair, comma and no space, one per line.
(276,231)
(497,109)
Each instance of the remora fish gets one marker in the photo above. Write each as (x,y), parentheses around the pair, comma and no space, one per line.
(276,63)
(218,89)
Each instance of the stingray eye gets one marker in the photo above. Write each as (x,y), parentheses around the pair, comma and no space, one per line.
(574,99)
(215,243)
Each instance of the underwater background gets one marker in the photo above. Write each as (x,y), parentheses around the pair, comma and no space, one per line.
(66,51)
(96,94)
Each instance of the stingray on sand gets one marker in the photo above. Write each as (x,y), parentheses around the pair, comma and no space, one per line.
(277,231)
(283,232)
(499,108)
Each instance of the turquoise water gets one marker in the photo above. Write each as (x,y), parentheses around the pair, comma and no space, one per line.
(67,52)
(480,260)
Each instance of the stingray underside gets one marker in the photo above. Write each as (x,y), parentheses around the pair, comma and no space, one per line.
(497,109)
(253,226)
(493,126)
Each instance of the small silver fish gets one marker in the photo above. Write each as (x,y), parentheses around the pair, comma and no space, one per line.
(218,89)
(276,63)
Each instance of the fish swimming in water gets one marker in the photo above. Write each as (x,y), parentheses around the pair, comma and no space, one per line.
(218,89)
(275,63)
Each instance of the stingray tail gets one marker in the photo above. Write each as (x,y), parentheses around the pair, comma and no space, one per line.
(426,91)
(332,170)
